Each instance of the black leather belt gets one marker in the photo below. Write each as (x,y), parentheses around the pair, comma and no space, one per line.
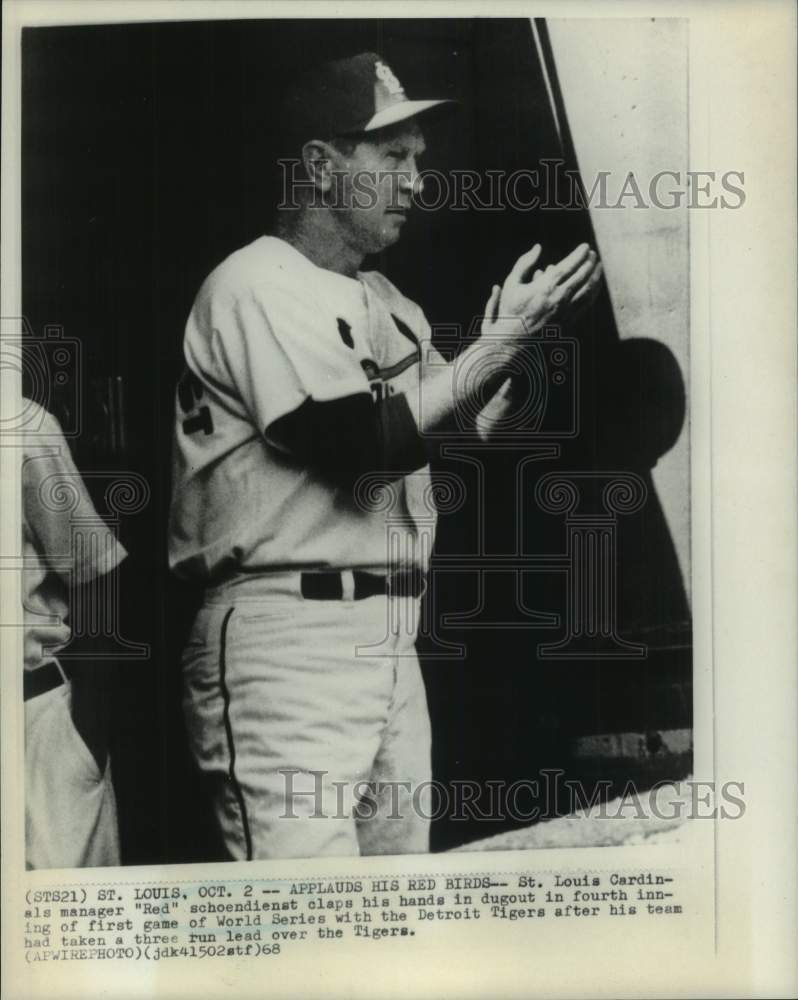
(329,586)
(41,680)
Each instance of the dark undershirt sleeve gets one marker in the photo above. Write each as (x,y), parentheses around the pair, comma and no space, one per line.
(343,439)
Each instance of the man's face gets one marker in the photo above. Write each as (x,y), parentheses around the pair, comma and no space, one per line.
(380,176)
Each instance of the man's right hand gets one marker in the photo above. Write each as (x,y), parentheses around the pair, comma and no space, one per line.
(545,296)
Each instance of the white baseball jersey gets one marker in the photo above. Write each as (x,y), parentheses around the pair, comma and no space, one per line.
(268,331)
(64,540)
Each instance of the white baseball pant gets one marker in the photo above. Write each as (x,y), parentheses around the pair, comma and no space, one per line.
(289,718)
(70,807)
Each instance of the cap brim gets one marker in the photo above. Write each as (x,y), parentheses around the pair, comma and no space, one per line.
(401,111)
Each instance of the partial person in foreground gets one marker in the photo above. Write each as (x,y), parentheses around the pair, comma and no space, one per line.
(70,808)
(301,485)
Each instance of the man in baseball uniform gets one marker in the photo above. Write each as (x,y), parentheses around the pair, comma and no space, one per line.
(301,495)
(70,809)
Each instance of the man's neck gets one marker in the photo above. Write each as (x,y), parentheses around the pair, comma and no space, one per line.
(320,240)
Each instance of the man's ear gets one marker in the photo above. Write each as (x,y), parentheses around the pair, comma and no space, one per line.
(318,158)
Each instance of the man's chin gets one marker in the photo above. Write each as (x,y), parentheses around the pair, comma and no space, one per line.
(388,236)
(379,241)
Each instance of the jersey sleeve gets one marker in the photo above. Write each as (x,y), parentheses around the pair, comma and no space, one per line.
(273,351)
(59,512)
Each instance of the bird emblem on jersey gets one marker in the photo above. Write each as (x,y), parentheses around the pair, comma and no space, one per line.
(346,333)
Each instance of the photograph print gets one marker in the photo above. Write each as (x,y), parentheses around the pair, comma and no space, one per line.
(355,448)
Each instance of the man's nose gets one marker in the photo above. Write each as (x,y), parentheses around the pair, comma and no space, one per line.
(411,180)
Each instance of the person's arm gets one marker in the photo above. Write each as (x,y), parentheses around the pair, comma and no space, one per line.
(348,437)
(343,439)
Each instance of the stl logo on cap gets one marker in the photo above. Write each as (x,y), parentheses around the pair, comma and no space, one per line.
(386,76)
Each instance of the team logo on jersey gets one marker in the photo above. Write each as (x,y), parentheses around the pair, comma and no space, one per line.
(380,387)
(346,333)
(371,368)
(387,77)
(404,329)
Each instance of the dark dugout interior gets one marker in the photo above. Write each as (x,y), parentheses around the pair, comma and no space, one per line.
(148,156)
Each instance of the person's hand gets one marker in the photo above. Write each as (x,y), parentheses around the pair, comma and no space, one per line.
(588,291)
(548,294)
